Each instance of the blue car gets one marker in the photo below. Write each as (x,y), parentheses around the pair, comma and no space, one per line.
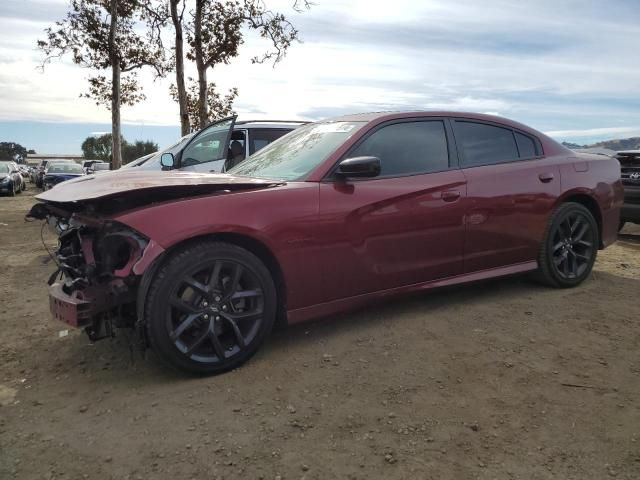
(59,172)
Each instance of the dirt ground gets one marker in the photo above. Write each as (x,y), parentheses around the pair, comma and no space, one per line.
(502,380)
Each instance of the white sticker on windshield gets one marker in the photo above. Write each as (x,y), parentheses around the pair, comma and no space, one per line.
(336,127)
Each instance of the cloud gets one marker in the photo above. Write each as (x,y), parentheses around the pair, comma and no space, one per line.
(608,132)
(566,67)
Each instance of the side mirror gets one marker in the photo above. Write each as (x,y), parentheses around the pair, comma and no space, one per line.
(167,161)
(359,167)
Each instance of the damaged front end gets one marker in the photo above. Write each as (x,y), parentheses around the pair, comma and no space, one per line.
(100,264)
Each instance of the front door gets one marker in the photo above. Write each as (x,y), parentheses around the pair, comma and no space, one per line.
(208,149)
(403,227)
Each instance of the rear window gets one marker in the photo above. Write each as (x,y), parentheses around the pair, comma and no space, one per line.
(65,168)
(526,146)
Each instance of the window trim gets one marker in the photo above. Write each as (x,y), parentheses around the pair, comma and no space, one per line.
(451,150)
(536,141)
(246,139)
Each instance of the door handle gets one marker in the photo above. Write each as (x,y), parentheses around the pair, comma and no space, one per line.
(546,177)
(450,195)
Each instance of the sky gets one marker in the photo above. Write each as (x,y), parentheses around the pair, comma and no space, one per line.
(569,68)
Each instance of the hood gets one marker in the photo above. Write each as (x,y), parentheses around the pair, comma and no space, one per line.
(91,187)
(111,191)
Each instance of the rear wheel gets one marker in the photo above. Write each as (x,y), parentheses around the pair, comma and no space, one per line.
(210,307)
(570,246)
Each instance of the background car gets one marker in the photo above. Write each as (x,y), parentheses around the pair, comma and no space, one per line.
(39,173)
(25,171)
(44,165)
(98,167)
(23,181)
(630,171)
(87,163)
(11,181)
(331,217)
(139,161)
(215,151)
(59,172)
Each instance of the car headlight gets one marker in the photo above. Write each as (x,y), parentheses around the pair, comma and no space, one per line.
(5,180)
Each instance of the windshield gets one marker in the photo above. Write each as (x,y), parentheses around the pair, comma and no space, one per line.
(295,155)
(4,168)
(65,168)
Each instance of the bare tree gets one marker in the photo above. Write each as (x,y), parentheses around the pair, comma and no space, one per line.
(104,35)
(217,30)
(177,17)
(214,31)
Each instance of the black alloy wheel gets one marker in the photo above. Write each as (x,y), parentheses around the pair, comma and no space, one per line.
(570,247)
(573,246)
(210,307)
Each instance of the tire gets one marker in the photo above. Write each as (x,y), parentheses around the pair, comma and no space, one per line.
(570,246)
(12,193)
(202,322)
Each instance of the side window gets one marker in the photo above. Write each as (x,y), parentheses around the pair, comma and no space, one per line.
(483,144)
(408,148)
(208,146)
(260,137)
(526,146)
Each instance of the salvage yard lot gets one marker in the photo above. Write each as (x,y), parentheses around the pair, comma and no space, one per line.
(505,380)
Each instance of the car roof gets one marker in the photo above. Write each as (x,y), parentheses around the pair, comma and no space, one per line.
(274,124)
(379,117)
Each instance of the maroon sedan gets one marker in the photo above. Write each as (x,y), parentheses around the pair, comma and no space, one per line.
(334,215)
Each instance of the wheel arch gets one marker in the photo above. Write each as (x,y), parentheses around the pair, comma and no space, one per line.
(253,245)
(587,200)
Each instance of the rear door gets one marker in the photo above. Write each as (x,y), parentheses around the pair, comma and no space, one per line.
(511,190)
(404,226)
(207,151)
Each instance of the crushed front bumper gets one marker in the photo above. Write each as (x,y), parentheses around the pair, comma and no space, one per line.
(78,309)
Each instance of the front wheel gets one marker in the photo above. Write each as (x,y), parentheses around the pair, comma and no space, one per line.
(210,307)
(569,249)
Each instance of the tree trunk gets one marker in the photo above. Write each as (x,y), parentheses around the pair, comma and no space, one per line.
(182,91)
(203,115)
(116,150)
